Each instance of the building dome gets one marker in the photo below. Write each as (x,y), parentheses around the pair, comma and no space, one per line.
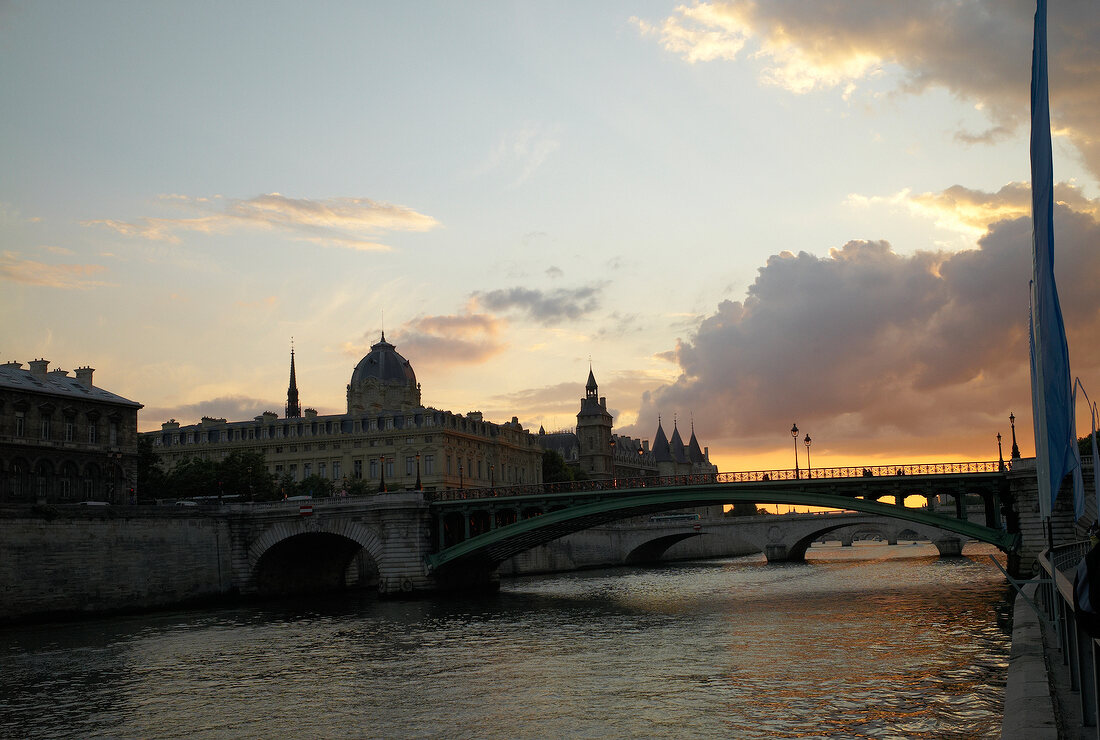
(383,379)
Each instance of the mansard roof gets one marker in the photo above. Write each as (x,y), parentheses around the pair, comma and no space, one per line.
(57,383)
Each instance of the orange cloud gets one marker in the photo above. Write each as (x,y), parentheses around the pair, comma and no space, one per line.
(351,223)
(29,272)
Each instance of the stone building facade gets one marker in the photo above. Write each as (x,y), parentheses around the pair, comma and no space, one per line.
(599,453)
(62,439)
(386,437)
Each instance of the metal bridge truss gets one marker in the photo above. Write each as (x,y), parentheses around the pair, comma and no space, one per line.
(552,512)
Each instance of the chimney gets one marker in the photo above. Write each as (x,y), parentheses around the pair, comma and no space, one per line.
(16,365)
(603,402)
(84,375)
(38,368)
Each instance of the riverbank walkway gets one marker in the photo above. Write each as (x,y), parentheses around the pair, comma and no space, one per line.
(1051,692)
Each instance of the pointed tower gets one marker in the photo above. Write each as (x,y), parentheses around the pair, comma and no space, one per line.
(695,452)
(661,452)
(676,445)
(293,408)
(594,431)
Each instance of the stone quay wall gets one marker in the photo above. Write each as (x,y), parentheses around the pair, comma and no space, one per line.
(87,562)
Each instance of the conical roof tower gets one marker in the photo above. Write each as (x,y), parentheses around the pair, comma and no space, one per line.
(293,408)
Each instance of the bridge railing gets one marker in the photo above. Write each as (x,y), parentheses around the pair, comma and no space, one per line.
(755,476)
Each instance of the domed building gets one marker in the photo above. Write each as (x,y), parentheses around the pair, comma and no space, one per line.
(383,379)
(386,436)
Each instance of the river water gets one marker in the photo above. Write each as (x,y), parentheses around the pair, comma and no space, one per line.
(866,641)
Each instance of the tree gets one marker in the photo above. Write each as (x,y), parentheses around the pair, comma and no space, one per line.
(152,481)
(358,487)
(315,486)
(244,474)
(554,468)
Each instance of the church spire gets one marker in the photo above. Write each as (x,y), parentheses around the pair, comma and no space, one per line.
(293,408)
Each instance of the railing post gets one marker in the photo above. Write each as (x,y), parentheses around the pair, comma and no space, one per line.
(1086,667)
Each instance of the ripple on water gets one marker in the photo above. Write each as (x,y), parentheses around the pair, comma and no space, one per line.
(882,646)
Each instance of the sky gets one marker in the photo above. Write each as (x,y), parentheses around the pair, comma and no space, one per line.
(738,215)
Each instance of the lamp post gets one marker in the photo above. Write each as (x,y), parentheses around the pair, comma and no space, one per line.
(492,477)
(611,443)
(1015,447)
(809,470)
(419,486)
(382,474)
(460,476)
(794,433)
(1000,454)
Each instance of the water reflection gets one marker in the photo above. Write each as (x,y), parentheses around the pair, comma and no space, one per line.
(865,641)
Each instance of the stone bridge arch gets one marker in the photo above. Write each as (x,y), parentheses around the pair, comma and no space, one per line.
(794,538)
(309,554)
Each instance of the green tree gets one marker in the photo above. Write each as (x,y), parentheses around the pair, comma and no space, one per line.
(244,474)
(315,486)
(358,487)
(286,486)
(152,481)
(554,468)
(192,477)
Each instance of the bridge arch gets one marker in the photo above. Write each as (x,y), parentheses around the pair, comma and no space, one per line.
(306,555)
(490,548)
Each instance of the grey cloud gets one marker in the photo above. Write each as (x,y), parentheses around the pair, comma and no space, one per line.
(232,408)
(866,347)
(545,307)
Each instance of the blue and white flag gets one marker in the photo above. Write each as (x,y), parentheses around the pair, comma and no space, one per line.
(1055,430)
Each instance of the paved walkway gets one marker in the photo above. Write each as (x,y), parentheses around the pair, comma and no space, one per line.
(1039,704)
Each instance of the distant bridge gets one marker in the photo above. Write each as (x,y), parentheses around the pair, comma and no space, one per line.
(480,528)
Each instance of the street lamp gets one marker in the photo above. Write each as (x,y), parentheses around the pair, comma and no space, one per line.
(1000,454)
(612,445)
(460,476)
(1015,447)
(492,477)
(382,474)
(419,486)
(809,470)
(794,433)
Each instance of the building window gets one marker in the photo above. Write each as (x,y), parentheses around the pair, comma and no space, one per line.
(448,464)
(45,429)
(112,432)
(294,472)
(428,439)
(65,487)
(373,469)
(389,467)
(20,424)
(69,431)
(307,470)
(89,489)
(410,465)
(429,464)
(91,433)
(336,470)
(357,469)
(321,469)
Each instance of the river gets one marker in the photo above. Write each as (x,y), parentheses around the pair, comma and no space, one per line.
(865,641)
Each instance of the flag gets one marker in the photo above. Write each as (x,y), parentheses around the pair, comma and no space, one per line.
(1055,433)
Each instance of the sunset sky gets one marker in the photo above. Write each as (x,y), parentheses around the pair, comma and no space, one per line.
(741,214)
